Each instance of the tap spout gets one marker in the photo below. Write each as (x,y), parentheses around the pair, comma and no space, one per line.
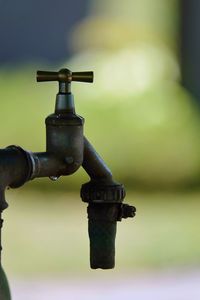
(104,197)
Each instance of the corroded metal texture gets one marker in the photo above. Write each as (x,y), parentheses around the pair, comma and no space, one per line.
(66,150)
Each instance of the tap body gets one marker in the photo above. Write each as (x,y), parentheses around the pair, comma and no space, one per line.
(103,195)
(67,149)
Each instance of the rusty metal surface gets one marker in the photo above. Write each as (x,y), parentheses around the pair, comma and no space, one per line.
(66,150)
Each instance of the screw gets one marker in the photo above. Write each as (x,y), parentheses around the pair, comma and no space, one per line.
(128,211)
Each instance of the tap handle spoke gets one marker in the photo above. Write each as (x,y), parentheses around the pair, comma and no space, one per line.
(65,75)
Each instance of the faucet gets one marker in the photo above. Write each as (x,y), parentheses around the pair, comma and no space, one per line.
(66,150)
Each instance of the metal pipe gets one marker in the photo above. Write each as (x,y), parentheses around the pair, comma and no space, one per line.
(94,165)
(15,170)
(46,164)
(4,286)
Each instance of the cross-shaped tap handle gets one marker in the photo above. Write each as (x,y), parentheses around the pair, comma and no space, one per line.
(65,75)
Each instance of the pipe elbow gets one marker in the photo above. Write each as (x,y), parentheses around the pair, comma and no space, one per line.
(15,170)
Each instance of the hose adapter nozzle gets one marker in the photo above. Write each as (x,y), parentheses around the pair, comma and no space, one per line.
(104,210)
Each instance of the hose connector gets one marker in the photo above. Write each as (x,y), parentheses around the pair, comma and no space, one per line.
(104,210)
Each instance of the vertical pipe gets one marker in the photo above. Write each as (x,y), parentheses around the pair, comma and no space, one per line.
(4,287)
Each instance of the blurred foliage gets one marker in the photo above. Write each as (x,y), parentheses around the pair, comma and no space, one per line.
(140,120)
(114,24)
(149,122)
(154,134)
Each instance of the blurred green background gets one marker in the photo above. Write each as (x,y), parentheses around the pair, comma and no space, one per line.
(138,117)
